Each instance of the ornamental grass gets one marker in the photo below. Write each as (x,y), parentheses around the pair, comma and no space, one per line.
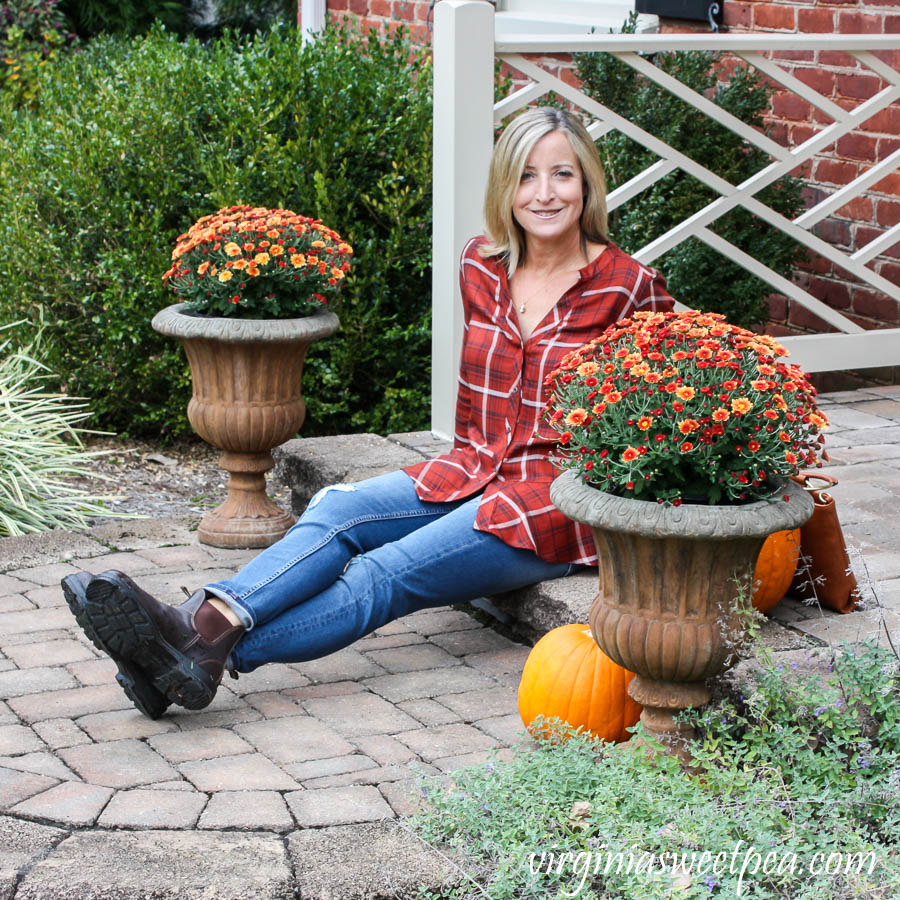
(40,451)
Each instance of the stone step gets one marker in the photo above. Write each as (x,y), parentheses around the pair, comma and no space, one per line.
(306,465)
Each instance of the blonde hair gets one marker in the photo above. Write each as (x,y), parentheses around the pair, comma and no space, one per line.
(505,236)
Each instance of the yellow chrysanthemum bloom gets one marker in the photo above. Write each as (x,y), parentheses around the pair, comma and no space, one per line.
(232,249)
(261,259)
(298,260)
(225,276)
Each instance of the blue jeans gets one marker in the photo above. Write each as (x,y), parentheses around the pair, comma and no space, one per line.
(360,556)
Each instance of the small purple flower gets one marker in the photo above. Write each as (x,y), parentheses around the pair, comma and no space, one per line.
(781,668)
(794,665)
(710,883)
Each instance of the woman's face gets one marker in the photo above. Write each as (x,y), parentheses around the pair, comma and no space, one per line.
(550,196)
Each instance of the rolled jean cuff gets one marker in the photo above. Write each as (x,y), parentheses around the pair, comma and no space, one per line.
(235,605)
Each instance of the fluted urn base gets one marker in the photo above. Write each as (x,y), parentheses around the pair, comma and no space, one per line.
(247,399)
(662,701)
(670,582)
(248,518)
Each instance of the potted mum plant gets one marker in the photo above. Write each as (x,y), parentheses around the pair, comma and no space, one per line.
(678,434)
(254,284)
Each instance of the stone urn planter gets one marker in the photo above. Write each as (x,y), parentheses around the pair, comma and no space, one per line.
(670,577)
(246,400)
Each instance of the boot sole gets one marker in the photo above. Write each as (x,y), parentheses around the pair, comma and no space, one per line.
(123,624)
(136,685)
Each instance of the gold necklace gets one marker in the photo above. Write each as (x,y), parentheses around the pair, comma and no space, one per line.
(524,304)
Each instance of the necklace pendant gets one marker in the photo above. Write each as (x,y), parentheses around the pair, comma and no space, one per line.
(522,308)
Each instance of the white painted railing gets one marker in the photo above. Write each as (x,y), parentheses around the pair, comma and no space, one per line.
(465,46)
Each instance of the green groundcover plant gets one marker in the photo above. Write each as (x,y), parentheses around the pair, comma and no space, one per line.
(133,140)
(40,450)
(794,794)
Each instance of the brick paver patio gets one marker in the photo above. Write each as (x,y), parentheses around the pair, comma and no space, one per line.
(290,757)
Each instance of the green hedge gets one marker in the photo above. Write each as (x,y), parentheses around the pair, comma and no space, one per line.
(134,140)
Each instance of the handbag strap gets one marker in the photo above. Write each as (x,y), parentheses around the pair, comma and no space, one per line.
(807,481)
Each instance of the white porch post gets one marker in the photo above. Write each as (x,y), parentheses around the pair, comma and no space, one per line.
(463,140)
(312,18)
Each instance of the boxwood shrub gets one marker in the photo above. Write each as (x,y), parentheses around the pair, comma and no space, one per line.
(132,140)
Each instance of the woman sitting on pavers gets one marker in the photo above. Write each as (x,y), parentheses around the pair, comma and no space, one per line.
(473,522)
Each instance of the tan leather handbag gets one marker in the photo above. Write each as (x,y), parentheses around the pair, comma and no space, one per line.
(824,569)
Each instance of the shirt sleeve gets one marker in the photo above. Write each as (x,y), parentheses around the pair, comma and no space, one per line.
(463,391)
(463,395)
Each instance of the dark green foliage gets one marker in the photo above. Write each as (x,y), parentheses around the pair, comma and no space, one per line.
(127,17)
(696,274)
(133,141)
(253,15)
(31,35)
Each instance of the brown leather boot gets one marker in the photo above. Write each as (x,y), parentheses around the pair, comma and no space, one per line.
(133,680)
(182,649)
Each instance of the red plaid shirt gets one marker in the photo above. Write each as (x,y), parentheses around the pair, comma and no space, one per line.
(502,443)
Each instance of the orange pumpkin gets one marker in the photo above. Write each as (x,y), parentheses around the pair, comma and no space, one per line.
(775,568)
(569,677)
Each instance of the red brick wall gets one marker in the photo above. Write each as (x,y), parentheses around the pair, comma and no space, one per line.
(841,79)
(385,14)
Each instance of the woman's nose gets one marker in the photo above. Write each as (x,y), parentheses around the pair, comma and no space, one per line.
(544,188)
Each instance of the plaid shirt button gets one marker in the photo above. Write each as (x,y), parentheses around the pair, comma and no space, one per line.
(512,465)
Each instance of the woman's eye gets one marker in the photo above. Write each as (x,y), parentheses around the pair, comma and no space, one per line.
(565,173)
(526,176)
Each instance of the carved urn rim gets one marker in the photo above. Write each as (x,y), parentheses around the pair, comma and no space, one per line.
(598,509)
(175,321)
